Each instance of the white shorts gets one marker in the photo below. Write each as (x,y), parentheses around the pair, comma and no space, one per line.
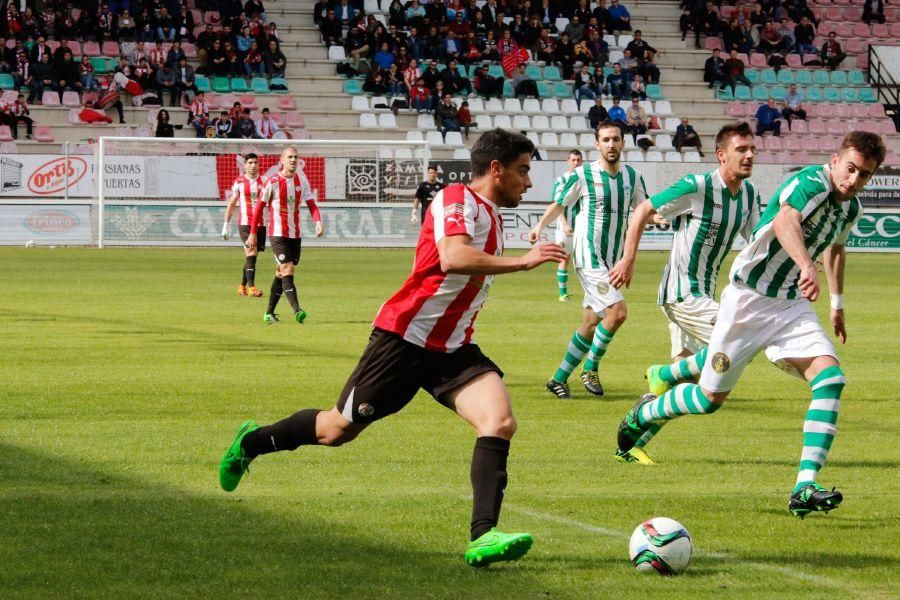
(749,322)
(691,323)
(563,240)
(598,293)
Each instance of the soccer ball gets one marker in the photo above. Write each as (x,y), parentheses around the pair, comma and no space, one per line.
(660,545)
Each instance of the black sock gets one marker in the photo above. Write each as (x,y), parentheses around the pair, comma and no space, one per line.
(488,476)
(290,292)
(299,429)
(250,271)
(244,271)
(274,295)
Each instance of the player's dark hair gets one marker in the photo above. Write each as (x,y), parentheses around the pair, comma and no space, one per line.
(738,128)
(606,125)
(870,145)
(250,155)
(500,145)
(432,168)
(576,152)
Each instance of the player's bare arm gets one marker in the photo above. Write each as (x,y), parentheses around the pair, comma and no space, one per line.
(552,213)
(623,271)
(834,259)
(458,256)
(229,210)
(789,232)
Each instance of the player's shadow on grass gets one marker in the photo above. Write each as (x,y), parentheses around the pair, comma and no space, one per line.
(74,529)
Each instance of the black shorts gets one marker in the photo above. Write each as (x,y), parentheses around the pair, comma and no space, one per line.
(392,370)
(260,237)
(285,250)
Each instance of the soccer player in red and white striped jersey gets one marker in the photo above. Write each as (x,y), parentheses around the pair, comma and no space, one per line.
(283,193)
(245,192)
(423,340)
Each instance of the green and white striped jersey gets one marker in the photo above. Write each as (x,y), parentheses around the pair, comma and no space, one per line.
(706,218)
(764,265)
(600,204)
(557,185)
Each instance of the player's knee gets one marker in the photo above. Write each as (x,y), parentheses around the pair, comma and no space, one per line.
(502,427)
(717,399)
(617,313)
(337,436)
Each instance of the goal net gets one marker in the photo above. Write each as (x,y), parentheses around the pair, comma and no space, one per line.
(174,191)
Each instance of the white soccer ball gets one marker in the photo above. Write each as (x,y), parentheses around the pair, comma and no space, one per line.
(660,545)
(29,244)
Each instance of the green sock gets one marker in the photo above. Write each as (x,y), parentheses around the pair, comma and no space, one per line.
(820,427)
(562,280)
(683,370)
(683,399)
(578,347)
(602,339)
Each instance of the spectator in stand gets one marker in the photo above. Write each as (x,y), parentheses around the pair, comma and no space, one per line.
(452,47)
(575,29)
(629,65)
(18,113)
(733,36)
(7,57)
(639,47)
(165,25)
(686,135)
(686,23)
(867,16)
(330,28)
(770,39)
(184,24)
(175,54)
(232,59)
(582,53)
(125,26)
(89,114)
(787,37)
(38,50)
(454,82)
(636,118)
(706,23)
(767,118)
(266,127)
(145,76)
(431,76)
(597,114)
(714,70)
(244,128)
(620,19)
(445,116)
(793,105)
(394,81)
(384,58)
(106,24)
(144,30)
(832,54)
(138,53)
(487,85)
(420,97)
(598,48)
(255,8)
(86,74)
(616,82)
(163,127)
(185,80)
(276,62)
(524,85)
(564,56)
(357,48)
(758,16)
(67,76)
(464,116)
(375,83)
(734,72)
(166,81)
(411,74)
(415,13)
(617,114)
(638,88)
(157,55)
(216,63)
(198,114)
(42,77)
(223,124)
(254,61)
(804,34)
(585,86)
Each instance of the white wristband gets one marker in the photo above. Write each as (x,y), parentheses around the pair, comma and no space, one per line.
(837,301)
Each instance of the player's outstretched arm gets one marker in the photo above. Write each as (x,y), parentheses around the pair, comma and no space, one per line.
(623,271)
(458,256)
(789,232)
(552,213)
(835,259)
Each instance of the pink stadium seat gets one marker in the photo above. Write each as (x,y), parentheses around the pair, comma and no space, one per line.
(212,17)
(75,47)
(862,61)
(71,100)
(110,49)
(829,143)
(875,110)
(817,126)
(861,110)
(43,133)
(835,125)
(124,131)
(5,133)
(735,109)
(885,127)
(825,27)
(54,44)
(853,13)
(793,61)
(286,103)
(825,110)
(844,111)
(151,115)
(301,134)
(90,49)
(857,46)
(190,50)
(90,95)
(11,42)
(199,29)
(859,30)
(278,117)
(811,58)
(895,30)
(255,114)
(227,100)
(881,30)
(50,98)
(800,158)
(73,117)
(764,157)
(792,143)
(198,15)
(834,13)
(8,96)
(743,58)
(726,11)
(214,101)
(891,15)
(799,126)
(758,60)
(143,132)
(774,144)
(247,101)
(294,120)
(8,148)
(713,43)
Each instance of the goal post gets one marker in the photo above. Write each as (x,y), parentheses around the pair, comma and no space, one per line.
(173,191)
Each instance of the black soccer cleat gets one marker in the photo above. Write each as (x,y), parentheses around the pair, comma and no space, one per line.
(630,430)
(560,390)
(591,381)
(814,498)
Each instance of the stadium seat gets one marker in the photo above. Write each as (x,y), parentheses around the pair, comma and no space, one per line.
(860,111)
(544,89)
(713,43)
(223,86)
(461,154)
(876,110)
(239,85)
(278,85)
(752,76)
(725,94)
(634,156)
(434,138)
(586,140)
(758,60)
(414,135)
(50,98)
(671,123)
(351,86)
(895,30)
(773,144)
(569,107)
(484,122)
(624,39)
(259,85)
(839,77)
(551,73)
(647,105)
(664,142)
(494,105)
(91,49)
(793,61)
(43,133)
(496,71)
(368,121)
(550,106)
(861,30)
(862,61)
(691,156)
(512,105)
(761,93)
(202,83)
(561,23)
(476,105)
(559,124)
(832,94)
(578,124)
(653,156)
(508,91)
(71,100)
(768,77)
(425,121)
(735,109)
(804,77)
(248,101)
(868,95)
(454,138)
(663,108)
(374,101)
(673,156)
(211,17)
(7,82)
(855,77)
(110,49)
(654,91)
(534,72)
(521,123)
(799,126)
(540,123)
(503,122)
(814,94)
(742,92)
(561,90)
(359,103)
(816,126)
(6,134)
(777,92)
(785,77)
(387,120)
(294,120)
(568,140)
(336,53)
(792,143)
(844,111)
(534,137)
(529,105)
(549,140)
(821,78)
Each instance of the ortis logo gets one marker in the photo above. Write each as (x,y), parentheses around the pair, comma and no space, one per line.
(51,221)
(50,177)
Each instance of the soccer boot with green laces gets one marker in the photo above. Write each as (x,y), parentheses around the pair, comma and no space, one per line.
(235,462)
(655,383)
(300,316)
(591,381)
(564,297)
(635,455)
(630,430)
(270,318)
(560,390)
(813,498)
(496,546)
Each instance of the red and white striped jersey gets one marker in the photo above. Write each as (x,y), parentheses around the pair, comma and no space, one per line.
(248,192)
(283,196)
(434,309)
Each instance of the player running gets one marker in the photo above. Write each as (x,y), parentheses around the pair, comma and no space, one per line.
(600,195)
(283,194)
(425,194)
(707,212)
(245,193)
(564,223)
(767,306)
(422,338)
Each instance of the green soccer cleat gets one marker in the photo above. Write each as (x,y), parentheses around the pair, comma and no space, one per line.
(300,316)
(812,498)
(635,455)
(270,318)
(235,462)
(496,546)
(655,384)
(630,431)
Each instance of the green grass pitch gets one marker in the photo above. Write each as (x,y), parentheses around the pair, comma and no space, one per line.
(126,372)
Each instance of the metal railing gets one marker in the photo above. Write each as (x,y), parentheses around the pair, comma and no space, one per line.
(886,88)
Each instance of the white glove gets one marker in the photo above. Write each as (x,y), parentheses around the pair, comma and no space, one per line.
(225,230)
(413,217)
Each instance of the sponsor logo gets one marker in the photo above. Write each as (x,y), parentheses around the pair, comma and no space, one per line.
(602,287)
(281,257)
(57,174)
(721,362)
(365,410)
(51,221)
(452,210)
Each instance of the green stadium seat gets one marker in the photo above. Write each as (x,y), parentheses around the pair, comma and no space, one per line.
(654,92)
(221,85)
(821,78)
(850,94)
(6,81)
(259,85)
(239,85)
(786,77)
(561,90)
(102,65)
(839,77)
(551,73)
(768,77)
(279,85)
(742,92)
(533,72)
(202,83)
(473,69)
(725,93)
(856,77)
(868,94)
(832,94)
(804,77)
(814,93)
(496,71)
(508,91)
(353,87)
(607,71)
(761,93)
(752,75)
(777,92)
(544,90)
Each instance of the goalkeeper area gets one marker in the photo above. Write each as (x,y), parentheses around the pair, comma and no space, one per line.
(128,371)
